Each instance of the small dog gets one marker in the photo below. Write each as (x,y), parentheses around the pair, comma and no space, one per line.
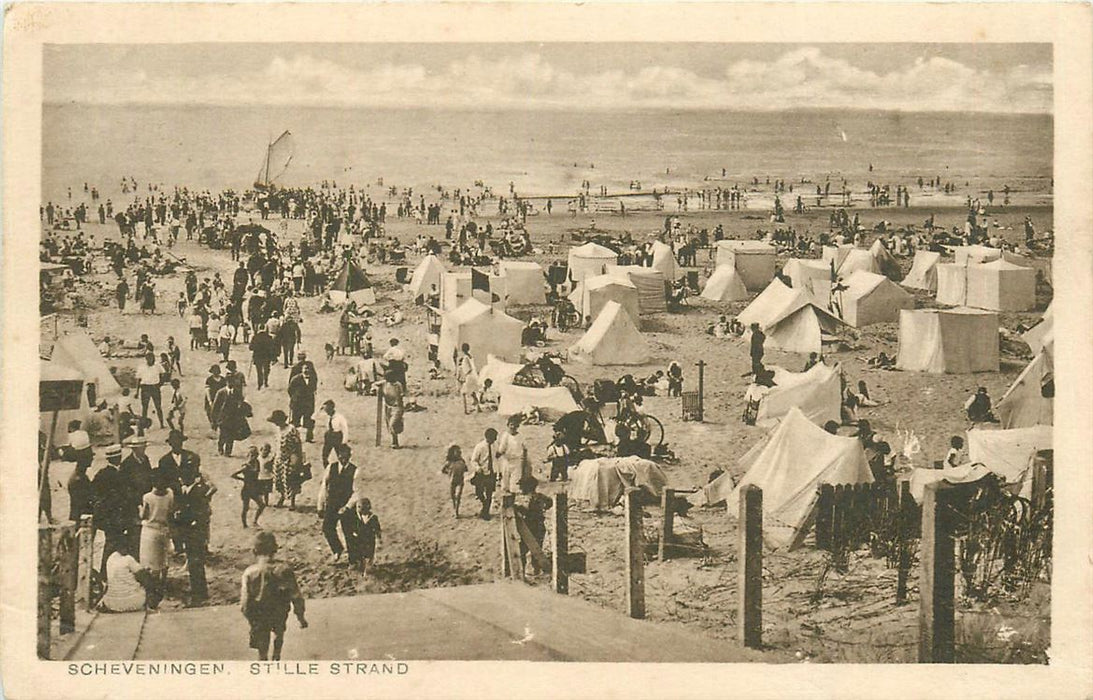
(330,352)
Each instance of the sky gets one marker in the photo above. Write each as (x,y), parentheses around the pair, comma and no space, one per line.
(1001,78)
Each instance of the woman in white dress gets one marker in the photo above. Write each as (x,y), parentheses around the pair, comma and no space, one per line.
(513,455)
(155,533)
(124,592)
(467,374)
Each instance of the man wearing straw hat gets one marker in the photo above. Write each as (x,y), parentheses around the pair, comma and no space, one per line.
(112,504)
(136,474)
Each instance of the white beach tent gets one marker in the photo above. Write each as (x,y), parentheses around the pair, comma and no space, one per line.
(953,341)
(552,402)
(1000,285)
(589,260)
(753,260)
(1030,399)
(76,352)
(524,282)
(613,339)
(498,370)
(790,465)
(455,288)
(923,272)
(817,393)
(427,273)
(1043,333)
(812,276)
(652,290)
(487,330)
(1009,453)
(664,261)
(790,318)
(593,293)
(725,285)
(871,298)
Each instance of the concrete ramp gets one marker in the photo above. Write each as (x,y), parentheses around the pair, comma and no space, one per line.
(497,621)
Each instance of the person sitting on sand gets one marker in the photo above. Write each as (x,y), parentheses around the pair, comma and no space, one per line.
(955,456)
(863,396)
(978,407)
(881,361)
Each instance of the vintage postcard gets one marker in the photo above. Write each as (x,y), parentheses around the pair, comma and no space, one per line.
(546,350)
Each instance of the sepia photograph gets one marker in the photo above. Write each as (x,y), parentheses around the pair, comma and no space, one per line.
(358,354)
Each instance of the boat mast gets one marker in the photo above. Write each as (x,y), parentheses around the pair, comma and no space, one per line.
(269,148)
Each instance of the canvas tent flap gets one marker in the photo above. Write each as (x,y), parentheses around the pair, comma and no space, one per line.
(975,254)
(872,298)
(589,260)
(78,351)
(352,284)
(952,284)
(649,283)
(613,339)
(664,261)
(1043,333)
(963,474)
(1024,404)
(790,318)
(725,285)
(593,293)
(886,264)
(499,371)
(552,402)
(754,261)
(923,272)
(797,458)
(456,288)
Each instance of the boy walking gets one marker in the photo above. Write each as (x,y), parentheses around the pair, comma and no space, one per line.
(268,590)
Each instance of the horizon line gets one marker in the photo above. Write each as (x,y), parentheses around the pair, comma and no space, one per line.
(538,108)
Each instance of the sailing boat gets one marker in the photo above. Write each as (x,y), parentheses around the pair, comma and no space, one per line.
(279,154)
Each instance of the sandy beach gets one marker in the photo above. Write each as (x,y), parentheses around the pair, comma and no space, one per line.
(425,546)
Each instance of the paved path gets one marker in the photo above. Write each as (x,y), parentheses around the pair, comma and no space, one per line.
(497,621)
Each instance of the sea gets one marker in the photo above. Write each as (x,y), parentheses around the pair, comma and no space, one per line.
(540,153)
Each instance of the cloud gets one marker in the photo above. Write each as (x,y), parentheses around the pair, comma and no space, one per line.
(800,78)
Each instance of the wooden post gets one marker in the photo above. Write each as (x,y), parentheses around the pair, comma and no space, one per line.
(750,613)
(936,607)
(379,415)
(45,588)
(510,544)
(667,523)
(825,512)
(560,550)
(635,557)
(903,541)
(87,559)
(69,549)
(45,494)
(701,400)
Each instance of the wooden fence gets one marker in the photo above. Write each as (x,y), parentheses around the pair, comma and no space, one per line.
(65,565)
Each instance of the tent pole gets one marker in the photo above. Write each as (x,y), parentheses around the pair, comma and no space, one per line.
(45,496)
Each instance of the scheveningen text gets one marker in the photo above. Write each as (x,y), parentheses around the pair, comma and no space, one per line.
(122,668)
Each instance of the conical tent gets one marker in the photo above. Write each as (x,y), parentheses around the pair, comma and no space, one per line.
(812,276)
(753,260)
(613,339)
(1030,399)
(923,272)
(870,298)
(953,341)
(427,273)
(593,293)
(649,283)
(352,284)
(524,282)
(790,318)
(589,260)
(664,261)
(790,465)
(1000,285)
(725,285)
(817,393)
(486,330)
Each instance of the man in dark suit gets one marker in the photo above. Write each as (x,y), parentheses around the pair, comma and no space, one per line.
(337,491)
(136,472)
(112,504)
(174,466)
(263,353)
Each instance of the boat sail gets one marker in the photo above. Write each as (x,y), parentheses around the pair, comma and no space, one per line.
(278,156)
